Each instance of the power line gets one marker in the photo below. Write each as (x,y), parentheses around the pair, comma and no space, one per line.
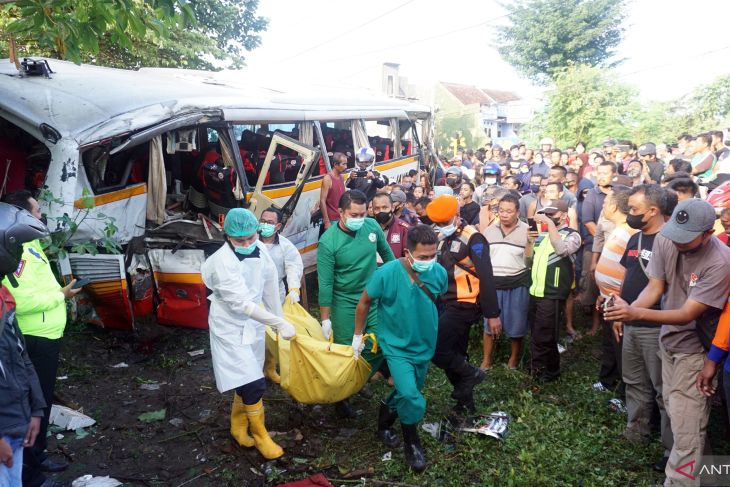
(343,34)
(425,39)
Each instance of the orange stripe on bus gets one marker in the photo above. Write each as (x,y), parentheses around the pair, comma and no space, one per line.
(180,277)
(308,248)
(107,287)
(288,191)
(122,194)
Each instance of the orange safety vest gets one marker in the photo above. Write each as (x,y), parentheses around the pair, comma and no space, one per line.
(454,257)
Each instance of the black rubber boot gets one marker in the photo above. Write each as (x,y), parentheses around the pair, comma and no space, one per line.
(469,377)
(412,448)
(344,410)
(386,418)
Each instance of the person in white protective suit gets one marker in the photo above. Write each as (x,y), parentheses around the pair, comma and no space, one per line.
(288,264)
(242,277)
(285,255)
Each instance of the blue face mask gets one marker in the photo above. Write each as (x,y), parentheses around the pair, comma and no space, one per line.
(448,230)
(354,224)
(423,265)
(267,229)
(245,250)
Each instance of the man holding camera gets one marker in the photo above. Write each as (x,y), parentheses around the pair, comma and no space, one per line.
(364,178)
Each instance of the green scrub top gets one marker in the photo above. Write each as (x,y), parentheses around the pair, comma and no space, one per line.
(407,318)
(345,262)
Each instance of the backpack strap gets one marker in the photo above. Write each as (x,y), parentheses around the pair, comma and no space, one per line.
(418,281)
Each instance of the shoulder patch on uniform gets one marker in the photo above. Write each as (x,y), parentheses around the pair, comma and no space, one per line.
(395,238)
(21,266)
(478,248)
(372,237)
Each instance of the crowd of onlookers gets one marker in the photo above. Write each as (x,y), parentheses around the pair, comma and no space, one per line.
(632,236)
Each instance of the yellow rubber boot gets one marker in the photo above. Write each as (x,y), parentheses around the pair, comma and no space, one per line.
(239,423)
(264,444)
(270,367)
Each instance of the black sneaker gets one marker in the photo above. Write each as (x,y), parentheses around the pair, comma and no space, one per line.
(52,483)
(51,466)
(344,410)
(661,465)
(468,381)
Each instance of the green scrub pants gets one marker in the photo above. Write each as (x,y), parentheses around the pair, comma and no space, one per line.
(406,397)
(343,327)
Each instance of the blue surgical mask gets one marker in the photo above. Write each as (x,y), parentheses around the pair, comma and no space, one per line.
(448,230)
(354,224)
(423,265)
(267,229)
(245,250)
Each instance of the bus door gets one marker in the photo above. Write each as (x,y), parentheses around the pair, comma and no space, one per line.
(258,201)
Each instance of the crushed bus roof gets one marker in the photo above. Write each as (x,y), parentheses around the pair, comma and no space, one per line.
(90,103)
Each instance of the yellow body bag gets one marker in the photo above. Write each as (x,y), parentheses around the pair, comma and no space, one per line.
(313,370)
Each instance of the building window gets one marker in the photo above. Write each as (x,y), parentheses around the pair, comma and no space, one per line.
(390,85)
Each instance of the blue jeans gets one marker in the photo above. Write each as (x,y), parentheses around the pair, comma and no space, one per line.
(12,477)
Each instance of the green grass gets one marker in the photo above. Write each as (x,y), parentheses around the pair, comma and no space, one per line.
(562,433)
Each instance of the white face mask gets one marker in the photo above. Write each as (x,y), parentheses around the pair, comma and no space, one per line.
(448,230)
(490,180)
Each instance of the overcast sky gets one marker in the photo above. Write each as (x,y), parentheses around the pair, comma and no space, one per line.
(670,46)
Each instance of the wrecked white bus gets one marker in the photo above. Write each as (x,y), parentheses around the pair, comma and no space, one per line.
(151,160)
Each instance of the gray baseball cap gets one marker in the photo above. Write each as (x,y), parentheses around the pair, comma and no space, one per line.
(690,219)
(398,196)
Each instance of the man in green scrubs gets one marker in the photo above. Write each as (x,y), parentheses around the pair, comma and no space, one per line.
(406,291)
(345,262)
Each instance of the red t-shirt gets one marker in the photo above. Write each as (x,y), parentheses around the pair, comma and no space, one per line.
(333,197)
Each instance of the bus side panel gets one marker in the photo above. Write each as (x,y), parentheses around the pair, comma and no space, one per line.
(180,287)
(105,300)
(127,207)
(303,226)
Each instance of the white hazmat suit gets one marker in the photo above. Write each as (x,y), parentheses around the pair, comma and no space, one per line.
(288,264)
(236,318)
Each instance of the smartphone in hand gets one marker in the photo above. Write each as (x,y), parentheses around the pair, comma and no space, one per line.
(81,283)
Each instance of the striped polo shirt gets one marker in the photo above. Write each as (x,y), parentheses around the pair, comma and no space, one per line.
(609,271)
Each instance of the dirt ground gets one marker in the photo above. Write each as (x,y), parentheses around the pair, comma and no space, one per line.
(191,445)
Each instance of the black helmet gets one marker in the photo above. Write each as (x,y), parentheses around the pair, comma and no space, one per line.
(17,226)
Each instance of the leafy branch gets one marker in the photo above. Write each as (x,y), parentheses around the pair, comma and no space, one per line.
(67,227)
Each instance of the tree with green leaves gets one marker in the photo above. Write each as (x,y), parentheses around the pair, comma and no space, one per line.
(707,106)
(545,36)
(200,34)
(587,104)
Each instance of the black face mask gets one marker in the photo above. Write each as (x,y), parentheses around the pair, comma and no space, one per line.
(44,220)
(425,220)
(383,217)
(636,221)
